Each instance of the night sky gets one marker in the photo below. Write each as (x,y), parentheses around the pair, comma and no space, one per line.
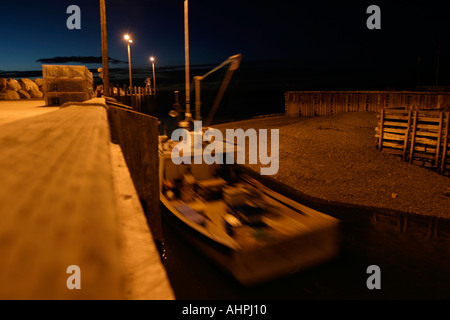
(297,33)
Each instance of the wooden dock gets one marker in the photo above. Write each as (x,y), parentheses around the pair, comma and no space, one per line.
(67,198)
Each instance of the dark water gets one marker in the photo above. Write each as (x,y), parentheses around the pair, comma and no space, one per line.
(252,91)
(404,275)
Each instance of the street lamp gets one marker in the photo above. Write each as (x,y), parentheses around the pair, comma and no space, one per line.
(129,42)
(152,59)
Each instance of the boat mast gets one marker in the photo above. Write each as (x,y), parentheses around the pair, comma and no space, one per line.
(186,49)
(105,56)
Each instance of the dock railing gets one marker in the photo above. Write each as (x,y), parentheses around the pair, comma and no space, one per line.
(140,99)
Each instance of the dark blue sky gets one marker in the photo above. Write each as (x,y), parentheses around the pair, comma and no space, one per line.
(300,32)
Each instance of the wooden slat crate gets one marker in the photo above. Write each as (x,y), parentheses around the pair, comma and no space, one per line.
(394,130)
(420,137)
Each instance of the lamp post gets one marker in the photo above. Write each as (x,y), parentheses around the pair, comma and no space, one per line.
(129,42)
(152,59)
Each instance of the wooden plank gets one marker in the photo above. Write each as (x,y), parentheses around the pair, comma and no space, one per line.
(292,105)
(413,137)
(438,143)
(396,130)
(426,141)
(320,103)
(423,133)
(406,137)
(391,144)
(427,127)
(395,124)
(390,136)
(308,107)
(425,149)
(362,102)
(435,120)
(408,102)
(292,109)
(348,102)
(419,155)
(356,102)
(58,207)
(342,103)
(380,142)
(312,106)
(396,117)
(446,141)
(125,98)
(302,104)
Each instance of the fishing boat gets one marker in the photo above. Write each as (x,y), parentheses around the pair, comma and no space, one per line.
(248,229)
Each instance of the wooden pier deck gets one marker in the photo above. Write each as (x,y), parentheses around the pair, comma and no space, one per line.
(67,198)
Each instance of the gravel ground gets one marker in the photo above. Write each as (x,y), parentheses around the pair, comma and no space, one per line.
(334,158)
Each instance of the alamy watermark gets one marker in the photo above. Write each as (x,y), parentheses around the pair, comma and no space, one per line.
(74,21)
(374,21)
(73,281)
(374,280)
(235,144)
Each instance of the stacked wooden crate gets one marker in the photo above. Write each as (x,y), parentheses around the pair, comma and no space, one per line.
(64,84)
(392,132)
(420,137)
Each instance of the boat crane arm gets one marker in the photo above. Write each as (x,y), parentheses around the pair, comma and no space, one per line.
(234,62)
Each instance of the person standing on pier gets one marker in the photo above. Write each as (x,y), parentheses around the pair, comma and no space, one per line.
(148,85)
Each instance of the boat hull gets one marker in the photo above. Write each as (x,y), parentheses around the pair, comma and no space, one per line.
(253,232)
(249,267)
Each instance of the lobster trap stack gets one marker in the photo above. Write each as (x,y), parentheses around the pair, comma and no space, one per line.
(64,84)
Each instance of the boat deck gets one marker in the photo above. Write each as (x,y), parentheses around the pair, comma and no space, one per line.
(282,220)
